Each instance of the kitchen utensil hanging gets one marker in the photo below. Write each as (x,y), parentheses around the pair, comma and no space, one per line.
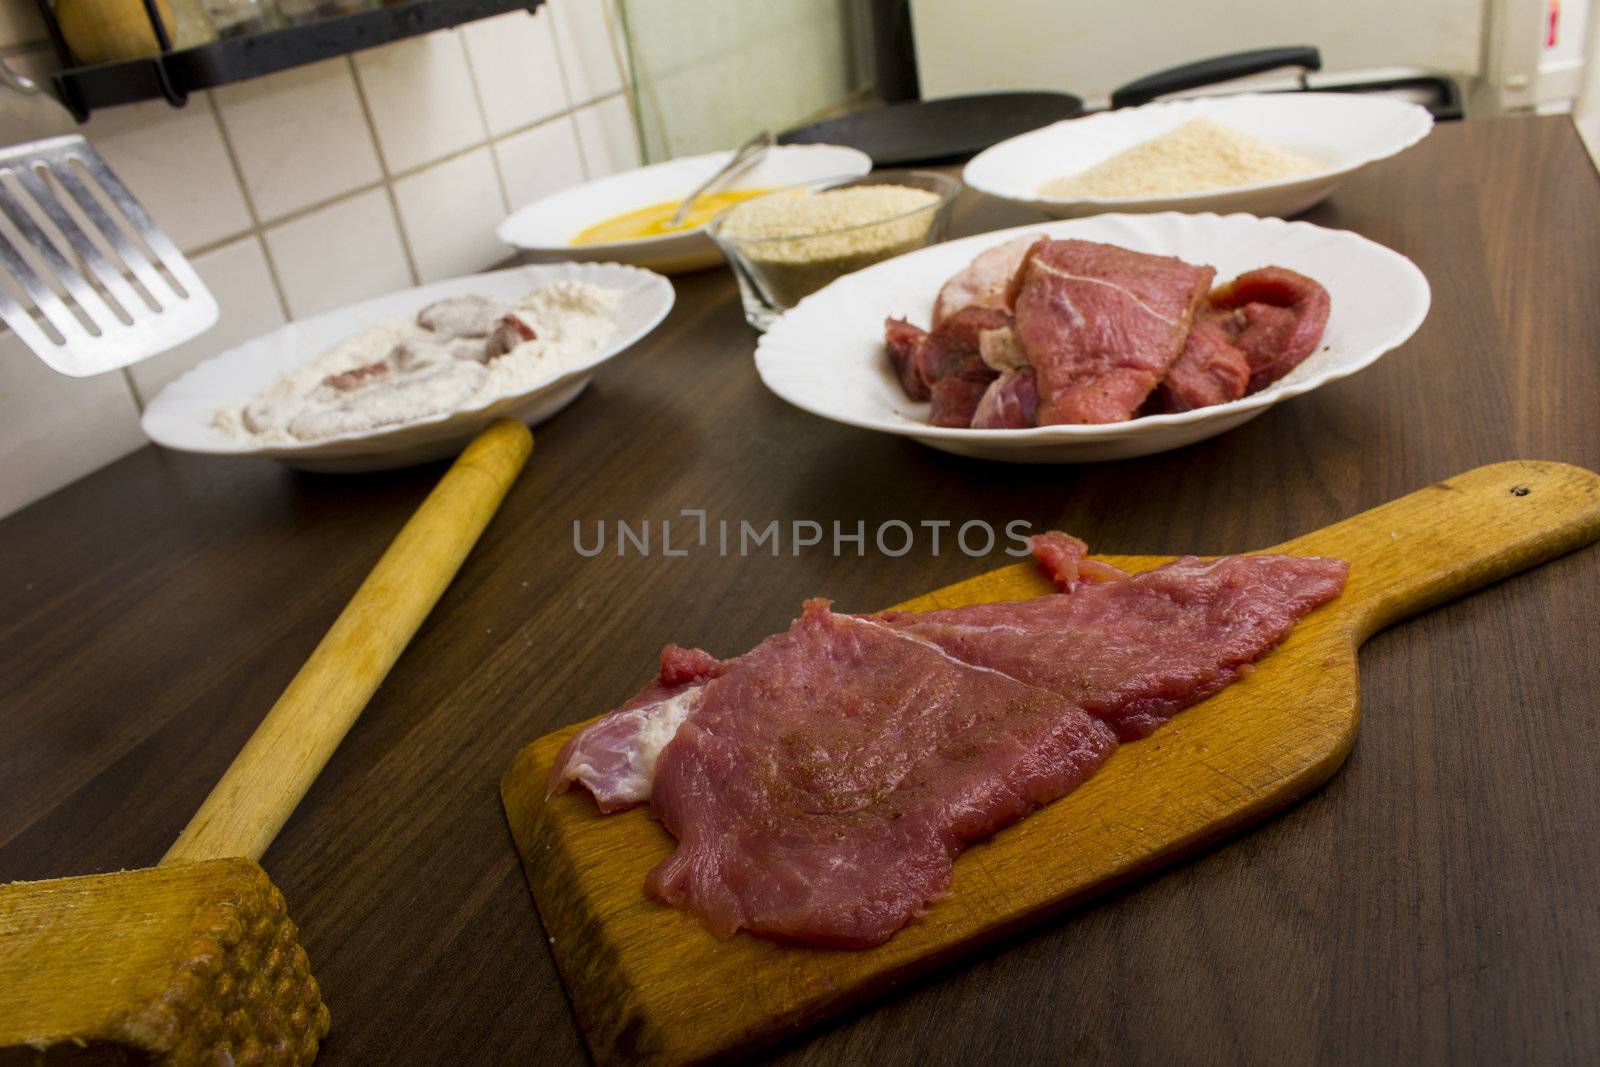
(88,281)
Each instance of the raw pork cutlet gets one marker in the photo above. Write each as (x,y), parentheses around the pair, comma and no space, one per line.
(1012,400)
(947,362)
(986,281)
(1276,317)
(821,785)
(903,342)
(1101,325)
(824,785)
(1135,651)
(615,759)
(1209,370)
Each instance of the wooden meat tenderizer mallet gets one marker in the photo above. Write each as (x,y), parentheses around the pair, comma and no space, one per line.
(195,961)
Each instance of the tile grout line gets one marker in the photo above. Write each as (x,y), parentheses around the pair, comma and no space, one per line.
(257,229)
(566,90)
(483,116)
(388,178)
(367,187)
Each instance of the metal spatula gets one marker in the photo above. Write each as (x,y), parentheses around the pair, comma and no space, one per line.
(87,280)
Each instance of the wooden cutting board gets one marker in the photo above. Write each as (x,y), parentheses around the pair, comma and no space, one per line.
(650,985)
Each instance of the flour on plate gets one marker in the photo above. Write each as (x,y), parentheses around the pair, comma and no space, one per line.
(458,352)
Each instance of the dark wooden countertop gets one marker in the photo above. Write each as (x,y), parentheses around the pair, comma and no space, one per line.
(1434,902)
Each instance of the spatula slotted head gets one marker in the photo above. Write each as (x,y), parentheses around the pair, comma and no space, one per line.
(193,963)
(87,280)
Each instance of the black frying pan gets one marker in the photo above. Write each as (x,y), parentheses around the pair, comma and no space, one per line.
(956,128)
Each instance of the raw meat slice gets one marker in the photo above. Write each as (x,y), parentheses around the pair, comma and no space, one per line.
(956,398)
(1101,325)
(955,350)
(1137,651)
(1012,399)
(958,341)
(828,778)
(903,341)
(1008,403)
(1065,559)
(615,758)
(1277,317)
(986,281)
(820,786)
(1209,370)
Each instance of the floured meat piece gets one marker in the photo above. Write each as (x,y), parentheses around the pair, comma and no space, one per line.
(462,316)
(357,377)
(512,330)
(1209,370)
(986,281)
(1137,650)
(468,348)
(421,351)
(823,787)
(904,342)
(429,388)
(820,786)
(1276,317)
(1101,325)
(454,353)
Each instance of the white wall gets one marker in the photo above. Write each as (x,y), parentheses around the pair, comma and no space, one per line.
(315,187)
(1089,47)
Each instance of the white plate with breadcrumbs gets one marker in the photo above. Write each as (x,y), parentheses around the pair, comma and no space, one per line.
(546,227)
(827,356)
(1340,132)
(183,415)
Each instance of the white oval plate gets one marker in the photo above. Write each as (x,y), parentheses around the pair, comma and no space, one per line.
(1346,131)
(180,417)
(826,355)
(545,226)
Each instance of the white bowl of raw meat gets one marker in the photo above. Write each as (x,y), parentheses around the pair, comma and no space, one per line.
(1262,153)
(412,376)
(1076,341)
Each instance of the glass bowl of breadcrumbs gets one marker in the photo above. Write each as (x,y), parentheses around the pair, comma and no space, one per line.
(784,245)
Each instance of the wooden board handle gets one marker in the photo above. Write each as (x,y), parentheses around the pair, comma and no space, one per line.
(284,756)
(1456,536)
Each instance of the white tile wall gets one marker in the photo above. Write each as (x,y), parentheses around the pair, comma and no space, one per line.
(606,136)
(300,136)
(514,63)
(422,100)
(339,254)
(238,276)
(540,161)
(305,190)
(175,162)
(591,47)
(56,429)
(450,212)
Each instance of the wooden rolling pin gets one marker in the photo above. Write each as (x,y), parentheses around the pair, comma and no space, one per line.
(195,961)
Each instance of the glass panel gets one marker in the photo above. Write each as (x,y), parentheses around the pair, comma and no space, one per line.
(709,73)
